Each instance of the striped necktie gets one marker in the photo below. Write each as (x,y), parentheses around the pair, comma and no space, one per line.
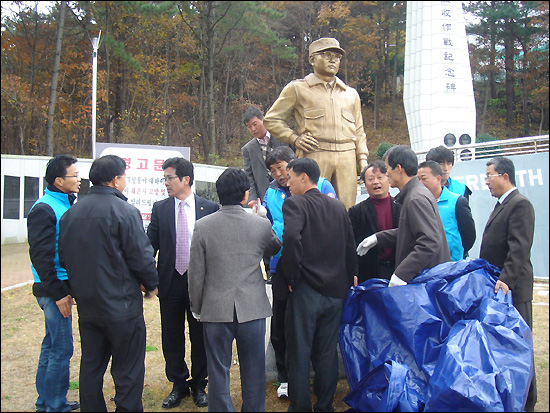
(182,241)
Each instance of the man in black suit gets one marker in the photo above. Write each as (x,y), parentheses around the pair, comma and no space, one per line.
(318,265)
(506,243)
(172,241)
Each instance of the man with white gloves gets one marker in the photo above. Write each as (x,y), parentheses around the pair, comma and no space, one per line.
(419,240)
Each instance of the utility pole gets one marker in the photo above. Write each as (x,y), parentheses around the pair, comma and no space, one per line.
(95,45)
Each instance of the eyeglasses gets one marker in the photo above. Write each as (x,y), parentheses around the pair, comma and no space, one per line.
(72,176)
(121,176)
(330,55)
(167,178)
(489,177)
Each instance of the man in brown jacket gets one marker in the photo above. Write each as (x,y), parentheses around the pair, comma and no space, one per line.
(329,123)
(420,240)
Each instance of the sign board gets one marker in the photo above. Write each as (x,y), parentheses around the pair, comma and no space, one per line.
(143,172)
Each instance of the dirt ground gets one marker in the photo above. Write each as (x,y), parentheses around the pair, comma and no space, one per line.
(23,330)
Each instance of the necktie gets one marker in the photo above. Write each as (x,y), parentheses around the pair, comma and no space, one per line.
(182,241)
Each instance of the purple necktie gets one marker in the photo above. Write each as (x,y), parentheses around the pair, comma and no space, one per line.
(182,241)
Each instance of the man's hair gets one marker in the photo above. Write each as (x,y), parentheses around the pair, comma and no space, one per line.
(231,185)
(306,166)
(381,166)
(434,167)
(280,153)
(182,166)
(440,154)
(252,112)
(404,156)
(57,167)
(504,165)
(104,169)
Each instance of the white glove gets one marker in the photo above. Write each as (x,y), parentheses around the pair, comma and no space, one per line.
(367,244)
(197,316)
(259,210)
(395,281)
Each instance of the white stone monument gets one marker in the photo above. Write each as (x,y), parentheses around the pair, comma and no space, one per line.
(438,93)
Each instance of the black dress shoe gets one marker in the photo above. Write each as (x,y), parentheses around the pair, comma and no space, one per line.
(174,398)
(200,398)
(73,405)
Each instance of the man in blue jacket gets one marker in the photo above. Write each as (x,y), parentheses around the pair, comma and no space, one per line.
(445,158)
(51,287)
(454,210)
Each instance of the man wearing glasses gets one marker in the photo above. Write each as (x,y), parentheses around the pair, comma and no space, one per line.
(51,286)
(329,123)
(506,243)
(170,231)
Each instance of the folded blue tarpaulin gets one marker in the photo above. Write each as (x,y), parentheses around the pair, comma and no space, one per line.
(443,342)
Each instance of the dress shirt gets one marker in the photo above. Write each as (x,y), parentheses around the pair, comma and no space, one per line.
(503,197)
(265,139)
(189,209)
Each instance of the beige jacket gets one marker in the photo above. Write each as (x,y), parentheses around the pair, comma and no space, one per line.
(334,120)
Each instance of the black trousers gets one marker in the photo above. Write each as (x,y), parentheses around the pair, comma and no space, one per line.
(311,330)
(525,309)
(124,341)
(278,338)
(174,309)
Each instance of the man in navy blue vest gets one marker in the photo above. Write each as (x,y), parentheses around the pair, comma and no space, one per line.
(51,286)
(445,158)
(454,210)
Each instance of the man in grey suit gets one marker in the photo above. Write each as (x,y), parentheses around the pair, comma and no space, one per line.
(227,292)
(255,151)
(506,243)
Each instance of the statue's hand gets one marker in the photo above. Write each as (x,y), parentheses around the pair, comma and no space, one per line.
(306,142)
(363,163)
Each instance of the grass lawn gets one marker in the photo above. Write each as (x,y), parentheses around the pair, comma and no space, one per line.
(23,330)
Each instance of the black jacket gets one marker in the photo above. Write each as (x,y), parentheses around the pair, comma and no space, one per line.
(318,244)
(364,223)
(107,254)
(42,238)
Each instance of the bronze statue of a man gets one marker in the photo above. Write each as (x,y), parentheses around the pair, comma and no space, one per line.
(329,124)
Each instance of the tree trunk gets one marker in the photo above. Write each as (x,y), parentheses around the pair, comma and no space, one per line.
(509,81)
(55,76)
(484,112)
(210,70)
(394,78)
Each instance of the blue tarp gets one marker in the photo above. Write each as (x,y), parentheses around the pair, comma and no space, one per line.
(443,342)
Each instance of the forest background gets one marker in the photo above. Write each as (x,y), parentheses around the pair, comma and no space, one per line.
(183,73)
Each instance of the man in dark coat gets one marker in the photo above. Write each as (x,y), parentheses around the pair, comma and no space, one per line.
(506,243)
(318,266)
(109,260)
